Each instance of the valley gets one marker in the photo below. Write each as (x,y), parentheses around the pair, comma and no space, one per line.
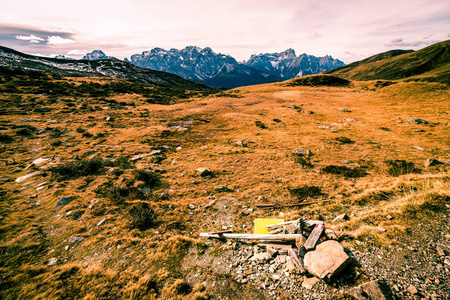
(101,197)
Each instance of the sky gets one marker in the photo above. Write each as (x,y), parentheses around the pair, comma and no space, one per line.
(348,30)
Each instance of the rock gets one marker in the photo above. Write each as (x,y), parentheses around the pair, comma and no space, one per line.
(301,152)
(192,206)
(293,107)
(140,156)
(204,171)
(327,261)
(210,203)
(52,261)
(108,118)
(344,110)
(22,178)
(416,121)
(430,162)
(341,217)
(101,222)
(309,283)
(39,161)
(412,290)
(440,251)
(65,200)
(241,144)
(261,257)
(76,239)
(418,148)
(290,267)
(221,188)
(373,290)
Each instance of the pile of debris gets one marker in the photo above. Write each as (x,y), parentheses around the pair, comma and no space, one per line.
(289,250)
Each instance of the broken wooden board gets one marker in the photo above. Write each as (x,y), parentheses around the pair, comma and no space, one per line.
(297,262)
(265,237)
(314,237)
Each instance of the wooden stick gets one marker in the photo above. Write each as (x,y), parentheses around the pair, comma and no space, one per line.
(265,237)
(269,205)
(282,223)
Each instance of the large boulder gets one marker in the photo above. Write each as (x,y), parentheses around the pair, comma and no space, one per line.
(327,261)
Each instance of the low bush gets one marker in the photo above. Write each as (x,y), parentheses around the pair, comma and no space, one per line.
(306,191)
(141,216)
(150,178)
(76,169)
(401,167)
(345,171)
(344,140)
(260,124)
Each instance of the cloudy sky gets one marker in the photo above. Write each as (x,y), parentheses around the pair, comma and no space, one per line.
(349,30)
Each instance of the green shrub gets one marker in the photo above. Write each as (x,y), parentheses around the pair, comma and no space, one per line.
(150,178)
(344,140)
(260,124)
(306,191)
(76,169)
(401,167)
(141,216)
(345,171)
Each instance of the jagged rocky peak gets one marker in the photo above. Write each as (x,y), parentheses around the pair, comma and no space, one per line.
(95,55)
(289,53)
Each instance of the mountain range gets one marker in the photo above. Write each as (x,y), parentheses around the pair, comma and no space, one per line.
(210,68)
(111,67)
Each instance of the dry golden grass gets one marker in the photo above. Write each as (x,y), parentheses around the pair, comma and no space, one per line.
(115,261)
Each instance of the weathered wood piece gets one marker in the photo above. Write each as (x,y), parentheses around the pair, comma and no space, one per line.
(314,237)
(297,262)
(220,232)
(270,205)
(266,237)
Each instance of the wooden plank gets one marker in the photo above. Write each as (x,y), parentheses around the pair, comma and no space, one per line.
(268,237)
(297,262)
(220,232)
(283,223)
(314,237)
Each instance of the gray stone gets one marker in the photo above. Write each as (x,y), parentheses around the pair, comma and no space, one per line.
(76,239)
(373,290)
(309,283)
(101,222)
(65,200)
(416,121)
(412,290)
(204,171)
(221,188)
(327,261)
(261,257)
(22,178)
(430,162)
(52,261)
(341,217)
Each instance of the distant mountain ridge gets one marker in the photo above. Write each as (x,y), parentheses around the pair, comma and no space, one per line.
(287,65)
(112,67)
(96,55)
(428,64)
(220,70)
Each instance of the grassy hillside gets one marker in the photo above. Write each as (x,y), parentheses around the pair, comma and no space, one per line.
(97,221)
(430,64)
